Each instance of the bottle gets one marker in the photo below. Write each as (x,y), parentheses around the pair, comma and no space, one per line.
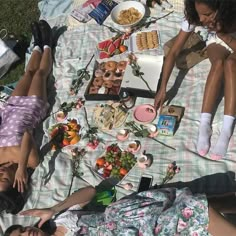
(127,100)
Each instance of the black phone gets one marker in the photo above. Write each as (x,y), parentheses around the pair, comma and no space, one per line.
(145,183)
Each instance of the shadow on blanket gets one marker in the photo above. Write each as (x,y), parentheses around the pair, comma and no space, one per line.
(211,185)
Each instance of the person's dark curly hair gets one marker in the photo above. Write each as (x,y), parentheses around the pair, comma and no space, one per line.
(11,201)
(11,229)
(226,13)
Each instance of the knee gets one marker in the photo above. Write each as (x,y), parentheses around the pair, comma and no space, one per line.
(218,64)
(40,73)
(30,73)
(230,64)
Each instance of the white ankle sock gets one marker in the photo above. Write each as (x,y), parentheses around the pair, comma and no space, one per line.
(221,146)
(37,48)
(46,46)
(204,134)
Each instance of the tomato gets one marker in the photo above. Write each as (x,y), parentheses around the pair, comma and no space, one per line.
(100,162)
(123,171)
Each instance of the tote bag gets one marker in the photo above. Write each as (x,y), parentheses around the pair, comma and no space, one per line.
(7,58)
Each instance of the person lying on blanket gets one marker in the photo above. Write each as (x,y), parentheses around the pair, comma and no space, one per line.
(167,211)
(23,111)
(219,17)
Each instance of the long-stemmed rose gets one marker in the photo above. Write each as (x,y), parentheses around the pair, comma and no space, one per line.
(171,171)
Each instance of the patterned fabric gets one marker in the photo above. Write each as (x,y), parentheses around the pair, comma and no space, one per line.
(20,113)
(155,212)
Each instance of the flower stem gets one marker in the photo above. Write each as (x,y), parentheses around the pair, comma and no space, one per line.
(163,143)
(150,90)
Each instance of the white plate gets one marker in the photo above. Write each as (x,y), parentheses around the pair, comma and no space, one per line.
(151,66)
(132,45)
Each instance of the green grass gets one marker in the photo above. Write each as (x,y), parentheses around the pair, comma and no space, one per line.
(16,16)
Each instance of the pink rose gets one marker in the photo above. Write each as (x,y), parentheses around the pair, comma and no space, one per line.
(157,229)
(177,170)
(83,230)
(128,213)
(93,144)
(187,212)
(195,234)
(170,166)
(141,214)
(111,225)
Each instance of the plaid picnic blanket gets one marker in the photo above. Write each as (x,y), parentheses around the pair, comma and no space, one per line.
(76,44)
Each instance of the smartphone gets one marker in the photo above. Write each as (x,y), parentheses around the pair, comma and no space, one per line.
(145,183)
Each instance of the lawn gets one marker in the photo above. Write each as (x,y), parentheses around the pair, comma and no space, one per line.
(16,16)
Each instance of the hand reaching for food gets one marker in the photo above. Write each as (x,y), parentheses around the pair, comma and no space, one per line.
(160,98)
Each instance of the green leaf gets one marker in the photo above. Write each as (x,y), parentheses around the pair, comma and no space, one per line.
(86,76)
(80,72)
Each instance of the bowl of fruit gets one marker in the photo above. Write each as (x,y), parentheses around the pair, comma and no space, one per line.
(65,134)
(115,162)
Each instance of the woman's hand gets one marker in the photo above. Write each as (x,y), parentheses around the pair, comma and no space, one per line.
(160,98)
(21,179)
(44,214)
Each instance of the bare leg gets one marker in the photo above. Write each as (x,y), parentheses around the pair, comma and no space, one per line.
(23,85)
(230,85)
(218,225)
(217,55)
(39,83)
(221,146)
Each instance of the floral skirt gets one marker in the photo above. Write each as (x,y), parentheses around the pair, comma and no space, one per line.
(164,212)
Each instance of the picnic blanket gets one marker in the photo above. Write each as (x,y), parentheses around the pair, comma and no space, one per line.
(76,44)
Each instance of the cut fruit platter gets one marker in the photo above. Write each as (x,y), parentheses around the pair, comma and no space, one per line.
(112,46)
(115,162)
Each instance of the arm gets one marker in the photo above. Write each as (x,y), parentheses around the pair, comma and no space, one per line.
(21,177)
(81,197)
(168,66)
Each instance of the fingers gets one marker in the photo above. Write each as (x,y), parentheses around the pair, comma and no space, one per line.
(41,222)
(31,212)
(20,184)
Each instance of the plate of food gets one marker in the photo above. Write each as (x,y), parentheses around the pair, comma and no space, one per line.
(144,40)
(106,80)
(115,162)
(128,14)
(65,134)
(112,46)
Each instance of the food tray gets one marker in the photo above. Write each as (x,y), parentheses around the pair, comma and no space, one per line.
(114,162)
(101,90)
(132,44)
